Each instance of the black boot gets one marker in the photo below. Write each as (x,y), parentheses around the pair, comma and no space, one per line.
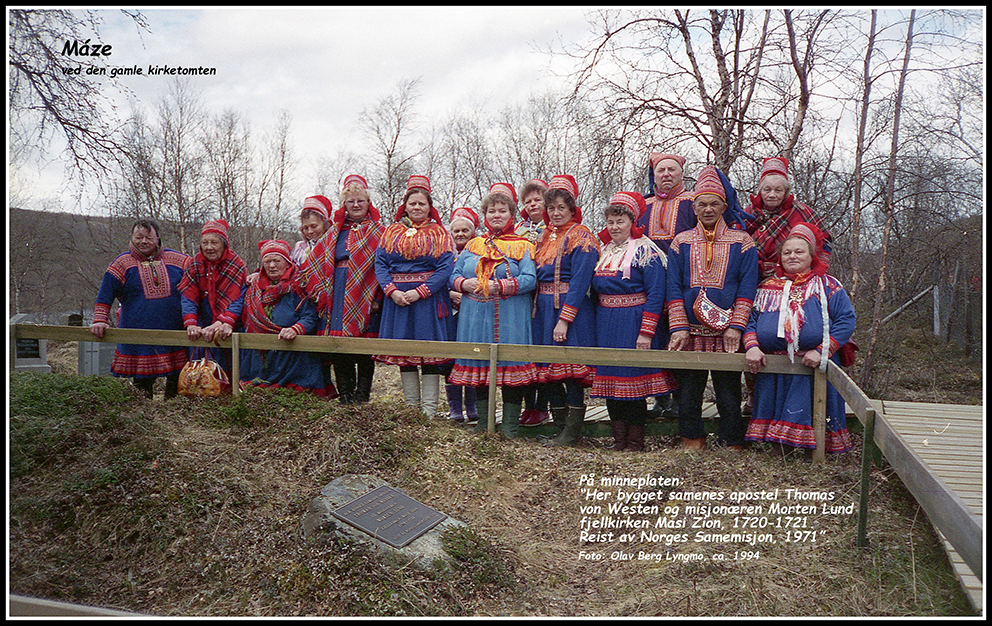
(172,385)
(619,428)
(145,385)
(635,438)
(366,371)
(344,377)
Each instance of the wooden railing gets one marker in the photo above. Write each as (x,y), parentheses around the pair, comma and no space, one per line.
(492,353)
(945,508)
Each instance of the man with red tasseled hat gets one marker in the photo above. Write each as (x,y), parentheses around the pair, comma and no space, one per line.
(712,280)
(776,211)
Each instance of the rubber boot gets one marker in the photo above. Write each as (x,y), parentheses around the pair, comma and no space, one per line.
(619,428)
(635,438)
(572,432)
(344,376)
(510,424)
(454,393)
(482,425)
(411,388)
(559,415)
(471,412)
(431,389)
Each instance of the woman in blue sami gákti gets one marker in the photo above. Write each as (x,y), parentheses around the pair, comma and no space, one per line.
(496,276)
(788,318)
(276,304)
(564,314)
(413,264)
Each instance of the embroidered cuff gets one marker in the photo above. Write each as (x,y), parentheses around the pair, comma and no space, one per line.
(101,314)
(649,324)
(190,320)
(834,347)
(424,291)
(389,289)
(508,286)
(298,327)
(227,318)
(677,318)
(568,313)
(741,314)
(457,283)
(751,341)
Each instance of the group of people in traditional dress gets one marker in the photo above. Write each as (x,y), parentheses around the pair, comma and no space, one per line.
(676,270)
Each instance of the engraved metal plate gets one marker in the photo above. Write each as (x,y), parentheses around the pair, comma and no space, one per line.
(389,515)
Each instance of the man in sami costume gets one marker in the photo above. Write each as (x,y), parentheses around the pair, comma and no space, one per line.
(712,280)
(145,280)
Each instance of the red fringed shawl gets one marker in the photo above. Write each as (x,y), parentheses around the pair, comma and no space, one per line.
(316,275)
(220,281)
(262,296)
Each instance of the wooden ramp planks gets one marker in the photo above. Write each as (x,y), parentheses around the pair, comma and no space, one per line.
(950,440)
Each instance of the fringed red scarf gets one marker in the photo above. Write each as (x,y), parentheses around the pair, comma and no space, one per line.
(411,240)
(557,241)
(221,282)
(316,274)
(262,296)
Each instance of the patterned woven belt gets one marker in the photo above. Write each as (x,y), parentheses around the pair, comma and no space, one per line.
(420,277)
(342,263)
(478,297)
(617,301)
(548,289)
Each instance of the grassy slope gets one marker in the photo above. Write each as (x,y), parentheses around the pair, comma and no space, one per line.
(193,507)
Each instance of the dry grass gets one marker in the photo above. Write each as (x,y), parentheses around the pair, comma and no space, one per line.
(190,507)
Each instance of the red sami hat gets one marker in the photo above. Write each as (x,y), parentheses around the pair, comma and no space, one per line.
(565,182)
(465,213)
(218,227)
(320,204)
(637,205)
(274,246)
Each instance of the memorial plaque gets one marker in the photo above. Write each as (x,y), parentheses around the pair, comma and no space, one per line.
(28,349)
(389,515)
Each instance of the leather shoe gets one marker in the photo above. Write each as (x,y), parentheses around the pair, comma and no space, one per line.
(694,444)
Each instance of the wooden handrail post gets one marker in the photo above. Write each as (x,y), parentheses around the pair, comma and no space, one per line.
(235,363)
(820,415)
(491,405)
(867,449)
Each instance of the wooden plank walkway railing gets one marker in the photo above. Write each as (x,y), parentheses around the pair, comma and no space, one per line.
(943,502)
(938,452)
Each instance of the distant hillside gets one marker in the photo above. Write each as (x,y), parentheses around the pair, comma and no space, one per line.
(57,260)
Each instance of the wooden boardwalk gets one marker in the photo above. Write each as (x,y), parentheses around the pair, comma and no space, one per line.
(950,440)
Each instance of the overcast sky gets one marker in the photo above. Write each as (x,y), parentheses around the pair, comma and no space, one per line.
(323,66)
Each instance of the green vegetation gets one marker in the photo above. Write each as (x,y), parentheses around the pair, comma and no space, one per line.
(194,507)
